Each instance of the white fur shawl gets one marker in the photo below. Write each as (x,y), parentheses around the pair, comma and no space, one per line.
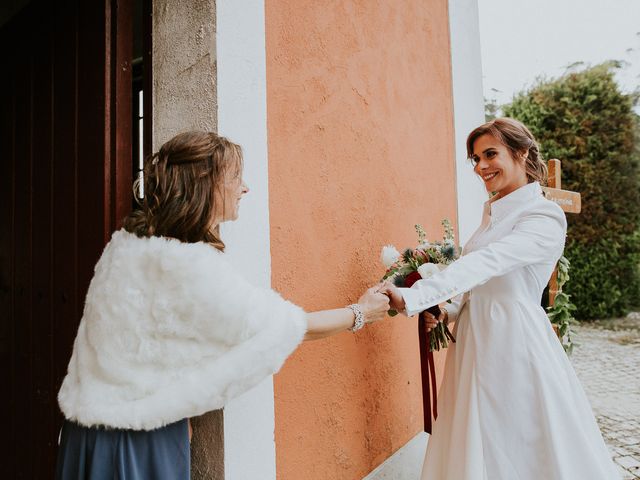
(171,331)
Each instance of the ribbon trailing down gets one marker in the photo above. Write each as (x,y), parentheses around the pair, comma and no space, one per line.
(428,369)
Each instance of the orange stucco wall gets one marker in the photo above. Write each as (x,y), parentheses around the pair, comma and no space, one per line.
(360,137)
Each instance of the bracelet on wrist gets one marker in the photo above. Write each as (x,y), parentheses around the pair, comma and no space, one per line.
(359,314)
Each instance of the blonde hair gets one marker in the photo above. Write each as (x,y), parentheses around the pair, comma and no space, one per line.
(517,138)
(179,184)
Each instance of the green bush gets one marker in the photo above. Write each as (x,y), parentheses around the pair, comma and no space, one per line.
(587,122)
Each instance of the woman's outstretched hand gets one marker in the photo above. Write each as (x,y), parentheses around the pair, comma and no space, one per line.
(322,324)
(395,297)
(374,304)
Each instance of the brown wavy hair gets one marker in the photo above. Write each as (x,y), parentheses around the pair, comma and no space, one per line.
(180,181)
(518,139)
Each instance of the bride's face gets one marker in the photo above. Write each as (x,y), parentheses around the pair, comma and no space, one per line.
(498,169)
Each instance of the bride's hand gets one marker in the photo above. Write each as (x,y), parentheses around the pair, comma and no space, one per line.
(432,321)
(374,305)
(395,297)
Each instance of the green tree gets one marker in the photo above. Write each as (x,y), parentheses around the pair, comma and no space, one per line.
(586,121)
(491,109)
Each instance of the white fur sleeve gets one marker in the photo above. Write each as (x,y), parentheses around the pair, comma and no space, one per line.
(253,328)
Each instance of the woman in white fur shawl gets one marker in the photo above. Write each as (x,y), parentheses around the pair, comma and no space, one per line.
(169,329)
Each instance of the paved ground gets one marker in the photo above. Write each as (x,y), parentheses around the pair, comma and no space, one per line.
(607,360)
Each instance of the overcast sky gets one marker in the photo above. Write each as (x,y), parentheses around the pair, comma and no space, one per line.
(523,39)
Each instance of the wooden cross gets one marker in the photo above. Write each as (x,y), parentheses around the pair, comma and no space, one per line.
(570,202)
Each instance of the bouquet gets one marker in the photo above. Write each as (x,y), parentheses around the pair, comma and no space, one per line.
(404,270)
(414,264)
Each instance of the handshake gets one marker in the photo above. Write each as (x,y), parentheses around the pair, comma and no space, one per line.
(376,302)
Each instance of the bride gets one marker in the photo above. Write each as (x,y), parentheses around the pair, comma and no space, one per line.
(511,404)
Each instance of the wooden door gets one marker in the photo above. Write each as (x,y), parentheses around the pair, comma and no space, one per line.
(65,184)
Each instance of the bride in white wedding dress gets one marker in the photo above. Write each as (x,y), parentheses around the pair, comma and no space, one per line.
(511,406)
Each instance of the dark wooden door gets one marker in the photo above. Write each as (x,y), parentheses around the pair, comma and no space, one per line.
(65,184)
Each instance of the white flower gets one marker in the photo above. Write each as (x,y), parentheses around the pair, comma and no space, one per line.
(389,255)
(427,270)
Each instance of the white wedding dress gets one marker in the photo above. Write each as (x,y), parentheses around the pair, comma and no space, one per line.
(510,405)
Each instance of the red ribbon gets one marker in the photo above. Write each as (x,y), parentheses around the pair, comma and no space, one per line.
(428,370)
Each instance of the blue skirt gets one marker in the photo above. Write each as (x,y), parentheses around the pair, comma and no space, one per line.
(99,453)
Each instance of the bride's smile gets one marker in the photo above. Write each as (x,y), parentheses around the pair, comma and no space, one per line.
(501,170)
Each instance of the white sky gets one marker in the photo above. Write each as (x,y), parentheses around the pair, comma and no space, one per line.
(524,39)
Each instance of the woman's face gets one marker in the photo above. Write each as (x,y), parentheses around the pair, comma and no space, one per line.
(494,164)
(228,196)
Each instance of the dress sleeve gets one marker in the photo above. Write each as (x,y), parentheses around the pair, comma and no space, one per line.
(537,237)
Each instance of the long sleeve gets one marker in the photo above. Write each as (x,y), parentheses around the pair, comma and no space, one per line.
(537,237)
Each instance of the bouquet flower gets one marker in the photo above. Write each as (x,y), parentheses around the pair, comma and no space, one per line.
(421,262)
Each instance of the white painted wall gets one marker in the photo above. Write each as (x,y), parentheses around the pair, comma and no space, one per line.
(468,108)
(242,117)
